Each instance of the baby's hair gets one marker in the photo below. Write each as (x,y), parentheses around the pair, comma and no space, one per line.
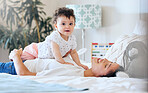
(63,12)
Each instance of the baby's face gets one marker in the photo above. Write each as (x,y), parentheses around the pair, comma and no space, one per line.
(65,26)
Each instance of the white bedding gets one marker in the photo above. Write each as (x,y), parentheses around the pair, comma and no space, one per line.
(50,67)
(13,84)
(95,84)
(73,77)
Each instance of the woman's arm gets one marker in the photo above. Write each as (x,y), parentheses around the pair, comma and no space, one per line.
(20,68)
(57,54)
(76,59)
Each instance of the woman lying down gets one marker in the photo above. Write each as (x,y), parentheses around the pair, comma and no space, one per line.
(39,67)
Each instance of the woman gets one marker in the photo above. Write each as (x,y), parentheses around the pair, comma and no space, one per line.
(101,67)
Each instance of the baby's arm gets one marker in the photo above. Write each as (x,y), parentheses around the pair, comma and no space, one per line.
(76,59)
(57,54)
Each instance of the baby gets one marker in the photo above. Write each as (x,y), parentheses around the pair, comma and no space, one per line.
(59,43)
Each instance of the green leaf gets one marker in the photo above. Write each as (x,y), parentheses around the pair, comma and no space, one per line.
(5,46)
(14,1)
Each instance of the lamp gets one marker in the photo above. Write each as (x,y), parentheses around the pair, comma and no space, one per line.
(88,16)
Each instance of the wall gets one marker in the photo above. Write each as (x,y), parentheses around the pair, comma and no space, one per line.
(114,23)
(4,57)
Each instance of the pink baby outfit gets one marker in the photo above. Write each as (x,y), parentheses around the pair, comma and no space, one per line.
(30,52)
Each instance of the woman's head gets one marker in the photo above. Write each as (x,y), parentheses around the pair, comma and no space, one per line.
(103,67)
(64,21)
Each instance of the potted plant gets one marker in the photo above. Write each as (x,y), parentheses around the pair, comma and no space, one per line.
(19,31)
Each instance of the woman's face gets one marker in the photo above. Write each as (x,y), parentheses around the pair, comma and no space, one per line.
(102,67)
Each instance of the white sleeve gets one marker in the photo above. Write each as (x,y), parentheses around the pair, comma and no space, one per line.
(54,36)
(63,70)
(74,45)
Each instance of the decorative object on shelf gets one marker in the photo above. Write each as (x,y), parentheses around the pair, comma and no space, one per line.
(88,16)
(99,49)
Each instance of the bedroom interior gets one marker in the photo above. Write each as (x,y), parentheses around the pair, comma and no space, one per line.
(90,19)
(119,25)
(114,24)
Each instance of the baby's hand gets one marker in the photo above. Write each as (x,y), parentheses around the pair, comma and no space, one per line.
(84,66)
(68,63)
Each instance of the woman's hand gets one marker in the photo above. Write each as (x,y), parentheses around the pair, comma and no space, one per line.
(14,53)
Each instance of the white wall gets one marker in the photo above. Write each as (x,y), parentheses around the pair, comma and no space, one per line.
(114,23)
(4,55)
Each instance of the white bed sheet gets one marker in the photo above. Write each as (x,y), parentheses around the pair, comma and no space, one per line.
(96,84)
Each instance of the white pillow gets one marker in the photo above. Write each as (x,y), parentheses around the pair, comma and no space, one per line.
(122,74)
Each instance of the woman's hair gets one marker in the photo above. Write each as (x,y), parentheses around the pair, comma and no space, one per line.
(63,12)
(112,73)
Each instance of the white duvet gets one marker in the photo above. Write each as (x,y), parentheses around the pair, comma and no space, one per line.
(50,67)
(73,76)
(49,71)
(96,84)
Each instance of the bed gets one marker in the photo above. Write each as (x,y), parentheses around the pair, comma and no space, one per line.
(97,85)
(80,84)
(123,83)
(70,80)
(88,84)
(77,83)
